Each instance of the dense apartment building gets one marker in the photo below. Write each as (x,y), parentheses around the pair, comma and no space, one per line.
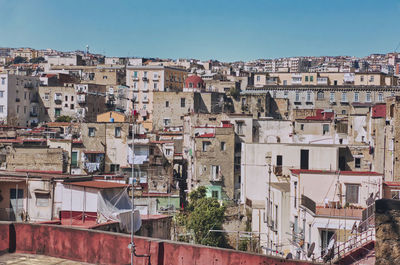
(143,81)
(324,79)
(19,103)
(78,101)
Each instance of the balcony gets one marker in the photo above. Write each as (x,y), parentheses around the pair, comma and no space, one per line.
(145,79)
(322,81)
(135,78)
(29,85)
(156,78)
(342,212)
(33,114)
(35,100)
(58,99)
(81,99)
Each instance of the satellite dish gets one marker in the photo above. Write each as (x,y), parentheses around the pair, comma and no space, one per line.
(289,256)
(311,250)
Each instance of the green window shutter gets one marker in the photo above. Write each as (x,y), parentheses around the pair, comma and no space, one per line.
(74,159)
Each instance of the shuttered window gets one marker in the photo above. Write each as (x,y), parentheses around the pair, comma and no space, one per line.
(352,193)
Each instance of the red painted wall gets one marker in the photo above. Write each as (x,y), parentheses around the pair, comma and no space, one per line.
(111,248)
(4,236)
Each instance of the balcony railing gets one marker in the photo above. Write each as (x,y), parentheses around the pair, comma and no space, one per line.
(145,79)
(81,99)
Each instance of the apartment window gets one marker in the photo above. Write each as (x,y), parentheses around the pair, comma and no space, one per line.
(215,194)
(332,97)
(117,132)
(297,96)
(66,105)
(168,152)
(285,93)
(380,96)
(302,127)
(155,75)
(308,96)
(344,112)
(325,129)
(46,96)
(274,94)
(72,98)
(285,82)
(371,78)
(1,108)
(311,78)
(57,112)
(72,106)
(190,85)
(134,85)
(223,146)
(368,97)
(215,172)
(24,95)
(320,95)
(167,122)
(395,194)
(18,109)
(206,146)
(183,102)
(356,97)
(344,96)
(1,94)
(357,162)
(239,127)
(135,74)
(362,78)
(144,106)
(145,86)
(24,109)
(104,77)
(66,98)
(114,167)
(3,81)
(42,200)
(352,193)
(166,104)
(258,78)
(74,159)
(145,74)
(155,86)
(295,194)
(92,131)
(306,78)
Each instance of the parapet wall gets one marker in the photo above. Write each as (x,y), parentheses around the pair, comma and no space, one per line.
(112,248)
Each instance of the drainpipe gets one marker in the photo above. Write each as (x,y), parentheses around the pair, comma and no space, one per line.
(27,199)
(52,182)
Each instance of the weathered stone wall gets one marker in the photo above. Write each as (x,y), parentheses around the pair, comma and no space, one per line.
(387,225)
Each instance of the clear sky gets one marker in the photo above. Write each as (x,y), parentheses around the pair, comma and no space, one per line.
(226,30)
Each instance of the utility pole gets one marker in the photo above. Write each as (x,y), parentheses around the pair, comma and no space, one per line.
(268,160)
(132,245)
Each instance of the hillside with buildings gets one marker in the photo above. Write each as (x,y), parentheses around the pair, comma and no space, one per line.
(297,149)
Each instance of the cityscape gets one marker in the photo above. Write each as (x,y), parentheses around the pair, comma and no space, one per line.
(139,159)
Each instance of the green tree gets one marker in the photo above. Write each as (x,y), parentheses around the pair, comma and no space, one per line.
(234,92)
(206,214)
(37,60)
(64,119)
(19,59)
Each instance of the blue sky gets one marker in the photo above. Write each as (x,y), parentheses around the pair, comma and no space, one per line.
(226,30)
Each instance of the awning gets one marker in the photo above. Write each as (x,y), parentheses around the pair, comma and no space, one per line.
(40,191)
